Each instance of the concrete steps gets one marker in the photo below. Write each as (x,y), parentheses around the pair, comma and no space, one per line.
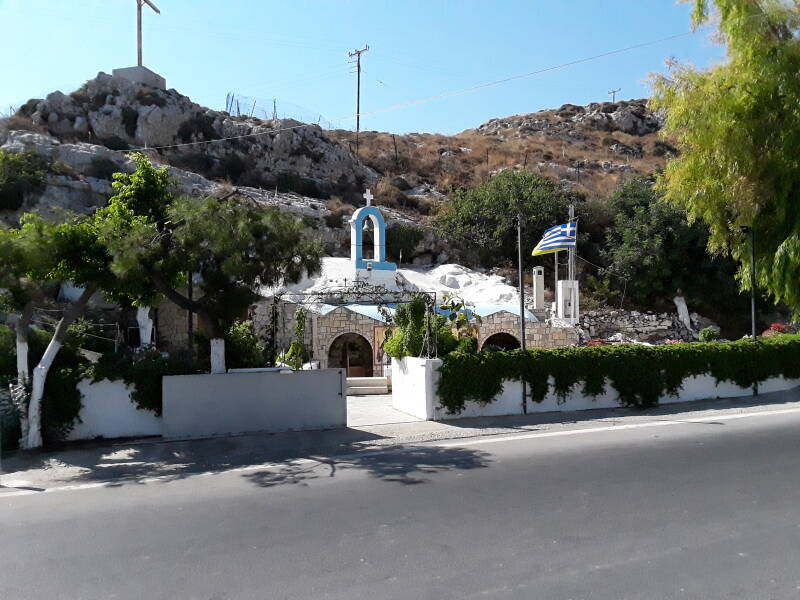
(367,386)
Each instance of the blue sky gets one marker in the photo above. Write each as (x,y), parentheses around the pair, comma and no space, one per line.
(296,51)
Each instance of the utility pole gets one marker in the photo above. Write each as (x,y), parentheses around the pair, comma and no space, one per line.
(357,54)
(571,264)
(521,306)
(613,94)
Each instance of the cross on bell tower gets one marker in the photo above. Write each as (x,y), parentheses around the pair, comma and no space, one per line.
(368,197)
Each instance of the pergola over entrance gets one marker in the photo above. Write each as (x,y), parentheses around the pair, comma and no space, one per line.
(348,323)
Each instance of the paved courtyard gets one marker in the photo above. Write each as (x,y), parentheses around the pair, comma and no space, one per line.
(374,410)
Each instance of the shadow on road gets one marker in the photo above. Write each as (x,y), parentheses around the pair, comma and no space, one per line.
(407,465)
(138,462)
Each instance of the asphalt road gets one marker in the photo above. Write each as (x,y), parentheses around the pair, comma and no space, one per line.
(695,509)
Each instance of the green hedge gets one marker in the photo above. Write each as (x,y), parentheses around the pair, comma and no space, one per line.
(639,374)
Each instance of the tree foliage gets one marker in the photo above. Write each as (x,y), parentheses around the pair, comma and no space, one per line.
(234,245)
(651,251)
(20,174)
(738,128)
(481,222)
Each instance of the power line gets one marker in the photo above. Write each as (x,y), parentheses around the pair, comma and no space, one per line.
(441,95)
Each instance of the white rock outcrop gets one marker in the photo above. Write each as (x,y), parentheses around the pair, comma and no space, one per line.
(117,113)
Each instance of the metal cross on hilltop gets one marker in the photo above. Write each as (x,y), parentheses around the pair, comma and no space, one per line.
(139,4)
(368,197)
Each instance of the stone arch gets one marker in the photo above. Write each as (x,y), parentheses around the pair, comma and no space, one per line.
(351,351)
(502,339)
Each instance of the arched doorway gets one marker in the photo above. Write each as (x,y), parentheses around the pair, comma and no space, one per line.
(500,341)
(353,352)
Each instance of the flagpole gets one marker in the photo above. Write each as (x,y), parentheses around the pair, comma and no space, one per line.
(521,306)
(555,286)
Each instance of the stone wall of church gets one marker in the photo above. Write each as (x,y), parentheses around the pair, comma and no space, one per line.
(538,334)
(339,321)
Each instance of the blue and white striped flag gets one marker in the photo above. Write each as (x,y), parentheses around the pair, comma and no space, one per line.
(560,237)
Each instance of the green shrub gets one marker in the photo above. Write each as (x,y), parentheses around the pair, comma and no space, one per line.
(402,239)
(640,374)
(20,174)
(9,417)
(61,403)
(709,334)
(130,118)
(197,127)
(409,327)
(59,167)
(467,345)
(242,348)
(143,372)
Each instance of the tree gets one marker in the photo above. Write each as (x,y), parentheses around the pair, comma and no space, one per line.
(39,253)
(234,245)
(481,221)
(737,127)
(651,251)
(19,293)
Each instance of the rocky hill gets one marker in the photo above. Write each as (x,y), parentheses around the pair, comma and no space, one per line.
(84,137)
(589,148)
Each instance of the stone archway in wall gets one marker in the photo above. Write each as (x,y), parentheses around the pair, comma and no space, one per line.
(503,340)
(353,352)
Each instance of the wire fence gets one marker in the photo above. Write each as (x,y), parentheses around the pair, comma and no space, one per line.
(273,108)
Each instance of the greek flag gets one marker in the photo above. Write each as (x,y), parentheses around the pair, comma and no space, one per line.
(560,237)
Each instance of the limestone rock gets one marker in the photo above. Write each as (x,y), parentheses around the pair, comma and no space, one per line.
(121,114)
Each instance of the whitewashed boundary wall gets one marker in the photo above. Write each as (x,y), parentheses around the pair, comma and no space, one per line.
(230,403)
(415,383)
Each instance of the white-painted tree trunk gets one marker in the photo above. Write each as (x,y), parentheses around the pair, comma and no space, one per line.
(145,323)
(34,438)
(217,355)
(683,311)
(23,371)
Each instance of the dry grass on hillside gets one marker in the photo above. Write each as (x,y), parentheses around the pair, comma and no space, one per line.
(589,165)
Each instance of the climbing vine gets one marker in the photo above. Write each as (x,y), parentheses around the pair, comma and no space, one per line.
(297,354)
(639,374)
